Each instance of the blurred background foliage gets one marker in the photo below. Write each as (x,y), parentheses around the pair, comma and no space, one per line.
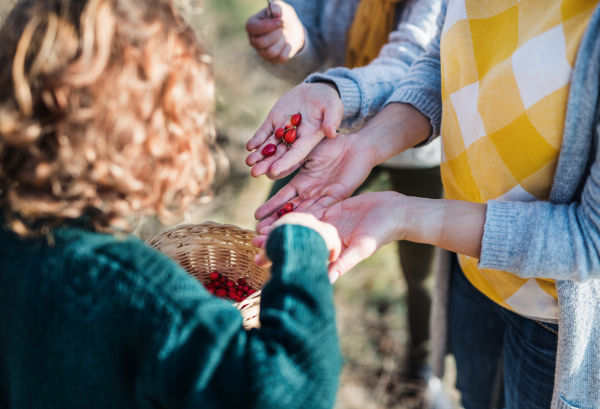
(370,300)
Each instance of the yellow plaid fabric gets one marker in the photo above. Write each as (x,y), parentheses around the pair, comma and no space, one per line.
(506,69)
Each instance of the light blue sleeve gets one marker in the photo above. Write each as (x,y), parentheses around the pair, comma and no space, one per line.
(421,87)
(365,90)
(312,55)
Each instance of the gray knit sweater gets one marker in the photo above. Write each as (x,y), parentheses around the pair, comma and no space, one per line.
(364,90)
(559,239)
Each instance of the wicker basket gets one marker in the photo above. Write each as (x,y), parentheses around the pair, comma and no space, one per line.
(203,248)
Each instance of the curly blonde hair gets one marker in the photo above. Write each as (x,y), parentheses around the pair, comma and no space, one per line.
(106,113)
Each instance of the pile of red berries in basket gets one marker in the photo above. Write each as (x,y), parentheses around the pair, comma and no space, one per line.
(287,134)
(224,288)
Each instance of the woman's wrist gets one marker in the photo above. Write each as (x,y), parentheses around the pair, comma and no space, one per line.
(450,224)
(395,129)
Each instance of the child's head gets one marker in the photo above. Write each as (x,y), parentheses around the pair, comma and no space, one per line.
(105,112)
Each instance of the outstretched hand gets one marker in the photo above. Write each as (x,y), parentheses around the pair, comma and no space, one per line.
(331,173)
(322,112)
(364,224)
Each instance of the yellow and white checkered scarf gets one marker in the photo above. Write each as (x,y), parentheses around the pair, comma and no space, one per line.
(506,69)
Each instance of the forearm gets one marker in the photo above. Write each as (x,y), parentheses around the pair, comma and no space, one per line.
(453,225)
(395,129)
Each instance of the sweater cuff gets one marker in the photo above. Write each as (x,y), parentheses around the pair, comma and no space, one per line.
(430,107)
(348,89)
(497,234)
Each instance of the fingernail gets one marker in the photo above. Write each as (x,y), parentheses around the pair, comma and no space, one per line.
(333,276)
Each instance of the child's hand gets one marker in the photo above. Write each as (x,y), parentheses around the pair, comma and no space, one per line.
(327,232)
(279,38)
(322,111)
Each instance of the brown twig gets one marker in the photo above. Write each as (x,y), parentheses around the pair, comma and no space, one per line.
(269,8)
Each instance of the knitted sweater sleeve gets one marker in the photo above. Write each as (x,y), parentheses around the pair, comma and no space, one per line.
(310,58)
(206,359)
(559,239)
(421,87)
(364,90)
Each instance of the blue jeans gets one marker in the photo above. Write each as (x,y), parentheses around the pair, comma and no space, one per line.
(502,358)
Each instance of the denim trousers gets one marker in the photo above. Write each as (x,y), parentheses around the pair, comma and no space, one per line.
(503,359)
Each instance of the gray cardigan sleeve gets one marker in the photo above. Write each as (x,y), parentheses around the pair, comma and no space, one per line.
(421,87)
(310,58)
(546,240)
(364,90)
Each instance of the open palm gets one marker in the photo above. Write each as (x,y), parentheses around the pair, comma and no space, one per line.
(322,112)
(364,224)
(331,173)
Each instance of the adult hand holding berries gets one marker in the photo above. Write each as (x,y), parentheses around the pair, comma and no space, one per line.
(326,231)
(322,112)
(276,39)
(331,173)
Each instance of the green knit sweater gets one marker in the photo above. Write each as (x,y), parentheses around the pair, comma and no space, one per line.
(97,322)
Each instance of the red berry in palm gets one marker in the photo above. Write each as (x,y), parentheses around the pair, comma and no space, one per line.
(287,126)
(281,212)
(230,283)
(296,119)
(290,136)
(251,291)
(279,133)
(214,276)
(288,207)
(269,150)
(221,293)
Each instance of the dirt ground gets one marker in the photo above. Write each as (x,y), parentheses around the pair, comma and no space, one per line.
(370,300)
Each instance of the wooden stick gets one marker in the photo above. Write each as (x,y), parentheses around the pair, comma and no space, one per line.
(269,8)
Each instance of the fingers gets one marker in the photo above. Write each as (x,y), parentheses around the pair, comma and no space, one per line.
(285,194)
(286,173)
(265,41)
(325,230)
(260,23)
(264,162)
(358,250)
(296,154)
(272,53)
(333,117)
(262,260)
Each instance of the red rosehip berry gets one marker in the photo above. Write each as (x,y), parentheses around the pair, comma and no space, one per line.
(251,291)
(230,283)
(221,292)
(214,276)
(207,286)
(290,136)
(281,212)
(288,207)
(239,288)
(296,119)
(242,298)
(279,133)
(210,290)
(269,150)
(246,288)
(239,293)
(222,280)
(241,281)
(287,127)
